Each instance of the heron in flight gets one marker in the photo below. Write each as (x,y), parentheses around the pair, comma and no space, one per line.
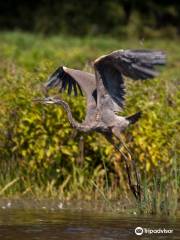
(105,89)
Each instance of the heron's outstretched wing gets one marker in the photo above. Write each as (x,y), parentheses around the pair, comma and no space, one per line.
(70,79)
(136,64)
(79,81)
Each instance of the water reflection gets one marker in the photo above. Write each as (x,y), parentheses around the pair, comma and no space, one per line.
(41,224)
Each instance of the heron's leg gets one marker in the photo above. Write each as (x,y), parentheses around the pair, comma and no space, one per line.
(135,189)
(109,137)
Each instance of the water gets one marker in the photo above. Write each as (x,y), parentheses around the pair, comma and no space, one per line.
(67,223)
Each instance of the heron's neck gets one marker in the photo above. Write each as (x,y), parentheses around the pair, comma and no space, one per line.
(80,126)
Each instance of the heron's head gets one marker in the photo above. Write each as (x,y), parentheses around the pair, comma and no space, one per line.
(48,100)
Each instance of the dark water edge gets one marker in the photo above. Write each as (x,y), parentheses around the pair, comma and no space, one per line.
(41,220)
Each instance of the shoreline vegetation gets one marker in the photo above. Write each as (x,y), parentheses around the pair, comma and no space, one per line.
(41,156)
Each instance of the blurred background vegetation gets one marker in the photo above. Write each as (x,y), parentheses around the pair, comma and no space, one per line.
(84,17)
(40,154)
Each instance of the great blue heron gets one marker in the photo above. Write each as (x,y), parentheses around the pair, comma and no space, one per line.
(105,89)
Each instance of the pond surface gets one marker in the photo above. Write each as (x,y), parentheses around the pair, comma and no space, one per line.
(71,224)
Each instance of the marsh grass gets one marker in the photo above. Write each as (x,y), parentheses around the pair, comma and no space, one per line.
(160,197)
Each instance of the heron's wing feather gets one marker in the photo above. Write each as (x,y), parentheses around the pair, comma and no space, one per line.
(110,87)
(71,79)
(136,64)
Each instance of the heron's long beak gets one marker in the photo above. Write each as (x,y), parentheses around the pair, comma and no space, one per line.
(46,100)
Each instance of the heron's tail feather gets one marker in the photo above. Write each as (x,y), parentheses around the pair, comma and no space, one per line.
(134,118)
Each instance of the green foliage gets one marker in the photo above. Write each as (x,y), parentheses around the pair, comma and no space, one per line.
(112,17)
(160,196)
(38,146)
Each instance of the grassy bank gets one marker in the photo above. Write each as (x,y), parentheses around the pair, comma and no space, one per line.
(41,155)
